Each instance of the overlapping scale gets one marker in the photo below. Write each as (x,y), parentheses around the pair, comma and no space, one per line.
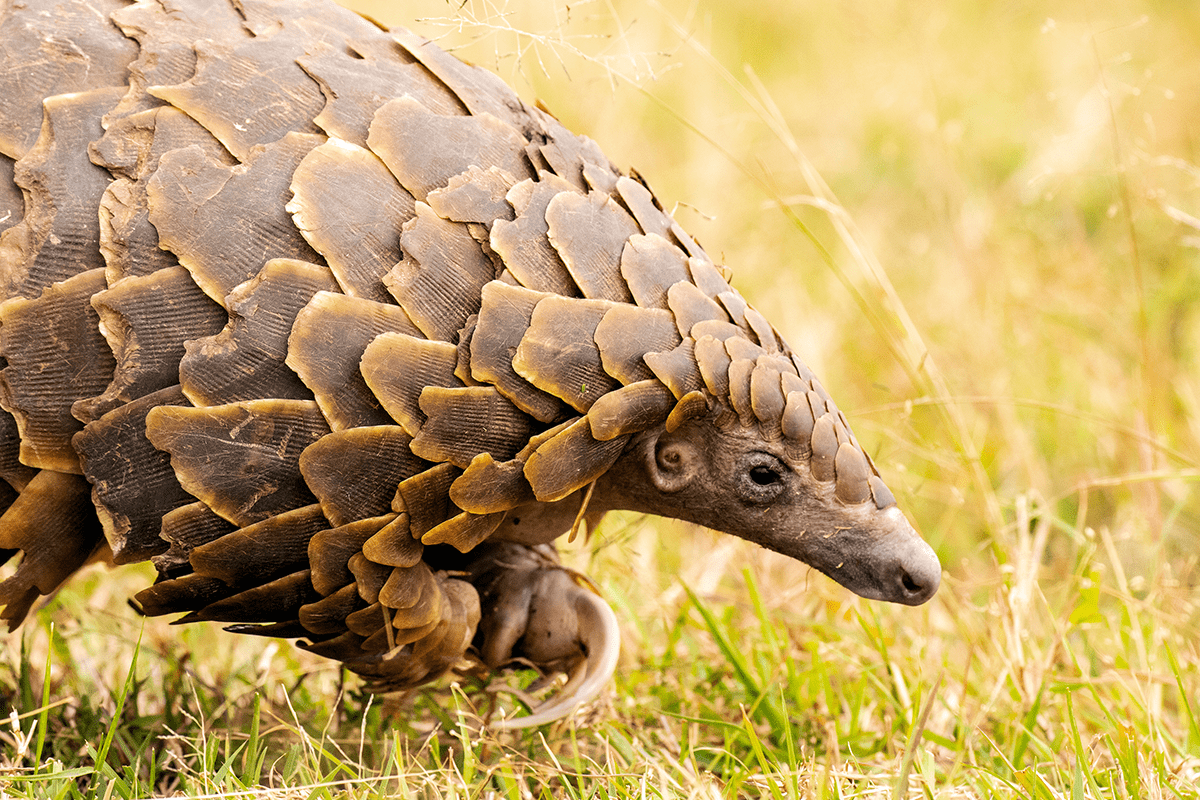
(357,232)
(676,368)
(85,52)
(425,149)
(487,486)
(251,92)
(463,422)
(377,457)
(557,353)
(146,320)
(55,355)
(326,345)
(624,336)
(130,149)
(241,459)
(247,359)
(355,86)
(52,523)
(650,266)
(636,407)
(184,529)
(523,243)
(394,545)
(589,232)
(330,551)
(439,281)
(134,485)
(569,461)
(476,195)
(59,236)
(193,200)
(398,367)
(505,315)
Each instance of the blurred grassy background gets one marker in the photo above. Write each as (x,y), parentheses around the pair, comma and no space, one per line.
(1024,173)
(977,222)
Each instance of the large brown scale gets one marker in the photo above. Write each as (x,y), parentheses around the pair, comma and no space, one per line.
(341,334)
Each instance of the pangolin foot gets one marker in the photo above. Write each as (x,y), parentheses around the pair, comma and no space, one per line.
(538,612)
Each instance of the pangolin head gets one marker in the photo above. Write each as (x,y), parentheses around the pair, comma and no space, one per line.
(754,446)
(814,496)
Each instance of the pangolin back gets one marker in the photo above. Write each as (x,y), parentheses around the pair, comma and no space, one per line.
(306,311)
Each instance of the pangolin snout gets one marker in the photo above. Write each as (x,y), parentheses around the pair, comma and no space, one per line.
(916,573)
(905,568)
(884,560)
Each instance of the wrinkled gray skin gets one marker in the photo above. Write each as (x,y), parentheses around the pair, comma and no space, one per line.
(738,482)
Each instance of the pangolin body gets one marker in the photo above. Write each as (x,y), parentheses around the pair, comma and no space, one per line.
(341,335)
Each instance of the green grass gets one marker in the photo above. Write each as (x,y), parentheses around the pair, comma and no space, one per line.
(996,274)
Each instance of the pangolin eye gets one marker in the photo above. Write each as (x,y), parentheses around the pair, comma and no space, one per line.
(760,478)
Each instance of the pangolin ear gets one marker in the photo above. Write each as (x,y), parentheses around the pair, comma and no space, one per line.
(673,462)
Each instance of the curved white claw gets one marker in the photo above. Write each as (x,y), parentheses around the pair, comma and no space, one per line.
(601,640)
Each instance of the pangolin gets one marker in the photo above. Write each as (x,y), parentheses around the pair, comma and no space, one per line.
(341,335)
